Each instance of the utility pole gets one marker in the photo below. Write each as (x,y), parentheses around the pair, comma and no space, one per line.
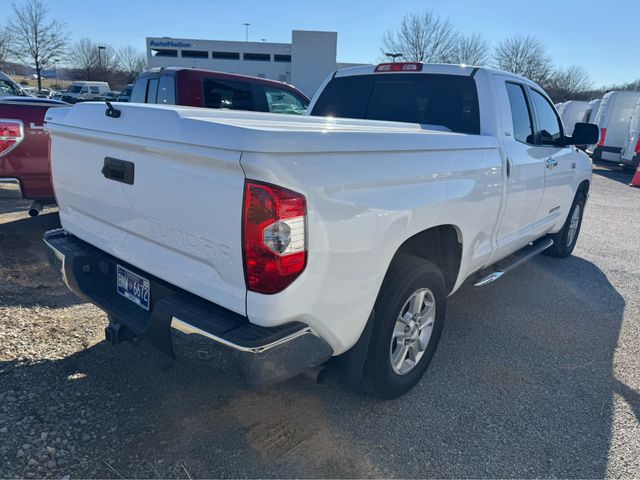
(100,48)
(393,56)
(246,32)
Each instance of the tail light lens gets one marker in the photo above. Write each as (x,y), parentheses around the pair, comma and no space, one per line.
(603,134)
(637,150)
(11,134)
(275,230)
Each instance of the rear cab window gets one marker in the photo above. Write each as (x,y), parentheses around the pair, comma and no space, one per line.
(439,101)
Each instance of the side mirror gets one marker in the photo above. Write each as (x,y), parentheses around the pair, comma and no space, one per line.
(584,134)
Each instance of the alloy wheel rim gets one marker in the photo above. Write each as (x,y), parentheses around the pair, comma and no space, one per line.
(412,331)
(573,225)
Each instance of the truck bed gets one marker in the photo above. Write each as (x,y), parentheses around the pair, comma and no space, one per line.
(180,219)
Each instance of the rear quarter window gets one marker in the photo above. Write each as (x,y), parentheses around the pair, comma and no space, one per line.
(433,100)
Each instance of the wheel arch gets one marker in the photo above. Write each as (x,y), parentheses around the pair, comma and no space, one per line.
(441,245)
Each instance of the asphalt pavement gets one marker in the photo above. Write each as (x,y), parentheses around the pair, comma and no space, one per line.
(536,375)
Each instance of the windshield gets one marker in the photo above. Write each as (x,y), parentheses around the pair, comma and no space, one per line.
(74,89)
(433,100)
(8,88)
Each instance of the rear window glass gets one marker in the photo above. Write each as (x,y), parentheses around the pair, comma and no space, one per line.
(449,101)
(227,94)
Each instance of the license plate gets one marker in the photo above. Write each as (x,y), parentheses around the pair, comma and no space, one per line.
(133,287)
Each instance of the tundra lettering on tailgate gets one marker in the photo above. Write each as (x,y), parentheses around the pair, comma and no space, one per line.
(190,243)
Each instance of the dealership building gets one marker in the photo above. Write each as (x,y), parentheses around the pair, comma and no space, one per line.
(305,62)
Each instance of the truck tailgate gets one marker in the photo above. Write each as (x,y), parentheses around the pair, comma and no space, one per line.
(174,212)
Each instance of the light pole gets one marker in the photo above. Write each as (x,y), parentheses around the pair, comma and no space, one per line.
(100,48)
(246,32)
(393,56)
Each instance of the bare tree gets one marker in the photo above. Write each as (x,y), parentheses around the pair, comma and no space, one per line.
(83,56)
(5,41)
(422,37)
(524,55)
(91,60)
(572,83)
(36,39)
(472,50)
(131,62)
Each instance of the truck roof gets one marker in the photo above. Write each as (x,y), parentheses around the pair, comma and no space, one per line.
(219,74)
(437,68)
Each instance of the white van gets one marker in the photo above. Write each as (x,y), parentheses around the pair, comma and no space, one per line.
(592,111)
(630,155)
(84,91)
(573,112)
(613,119)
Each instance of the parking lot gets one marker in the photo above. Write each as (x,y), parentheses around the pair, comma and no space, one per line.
(537,375)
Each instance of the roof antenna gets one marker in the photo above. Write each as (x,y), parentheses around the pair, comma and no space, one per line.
(112,112)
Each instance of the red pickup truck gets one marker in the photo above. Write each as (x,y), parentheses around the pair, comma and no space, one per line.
(24,143)
(24,150)
(210,89)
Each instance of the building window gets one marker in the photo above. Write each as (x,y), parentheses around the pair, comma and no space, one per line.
(260,57)
(156,52)
(282,58)
(194,54)
(226,55)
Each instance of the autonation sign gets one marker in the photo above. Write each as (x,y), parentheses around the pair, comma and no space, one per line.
(170,43)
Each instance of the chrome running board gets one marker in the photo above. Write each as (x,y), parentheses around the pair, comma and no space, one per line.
(514,261)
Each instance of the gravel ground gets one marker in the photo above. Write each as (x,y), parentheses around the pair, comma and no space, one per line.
(537,375)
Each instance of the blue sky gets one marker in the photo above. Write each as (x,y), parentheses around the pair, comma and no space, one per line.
(599,35)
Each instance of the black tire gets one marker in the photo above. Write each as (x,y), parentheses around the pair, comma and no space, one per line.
(406,275)
(561,248)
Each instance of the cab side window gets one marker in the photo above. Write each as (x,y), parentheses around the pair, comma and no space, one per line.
(281,101)
(166,90)
(520,113)
(229,94)
(548,122)
(152,90)
(139,91)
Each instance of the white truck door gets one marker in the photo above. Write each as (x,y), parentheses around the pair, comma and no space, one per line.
(559,162)
(525,173)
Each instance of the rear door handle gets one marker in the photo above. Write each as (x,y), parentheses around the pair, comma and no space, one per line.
(118,170)
(551,162)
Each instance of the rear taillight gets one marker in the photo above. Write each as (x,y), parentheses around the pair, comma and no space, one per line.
(399,67)
(603,134)
(637,150)
(275,243)
(11,134)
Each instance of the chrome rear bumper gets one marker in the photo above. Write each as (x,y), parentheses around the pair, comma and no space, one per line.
(264,355)
(10,188)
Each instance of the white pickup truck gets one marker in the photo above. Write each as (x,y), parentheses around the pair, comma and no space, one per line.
(291,239)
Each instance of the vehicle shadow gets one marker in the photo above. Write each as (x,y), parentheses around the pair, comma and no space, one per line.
(613,172)
(27,278)
(522,385)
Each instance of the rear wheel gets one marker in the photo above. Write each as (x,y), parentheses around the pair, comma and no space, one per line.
(408,319)
(565,240)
